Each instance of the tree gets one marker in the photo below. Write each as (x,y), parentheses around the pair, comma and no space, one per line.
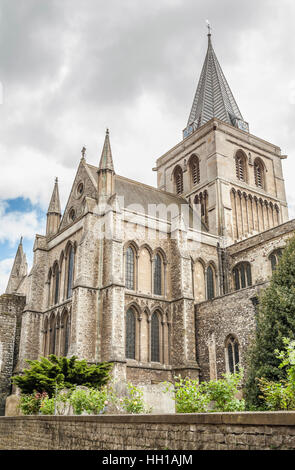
(47,374)
(275,321)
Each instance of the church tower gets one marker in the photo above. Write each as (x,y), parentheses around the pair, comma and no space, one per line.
(232,178)
(19,270)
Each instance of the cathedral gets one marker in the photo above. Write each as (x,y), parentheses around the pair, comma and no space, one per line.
(159,281)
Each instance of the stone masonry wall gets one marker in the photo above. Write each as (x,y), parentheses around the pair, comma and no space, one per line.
(11,307)
(212,431)
(232,314)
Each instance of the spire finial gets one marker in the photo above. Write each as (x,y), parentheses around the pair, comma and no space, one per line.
(56,179)
(209,28)
(83,152)
(21,240)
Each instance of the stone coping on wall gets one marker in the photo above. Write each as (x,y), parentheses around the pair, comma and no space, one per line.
(258,418)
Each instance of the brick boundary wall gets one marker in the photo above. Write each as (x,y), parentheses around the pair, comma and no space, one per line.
(212,431)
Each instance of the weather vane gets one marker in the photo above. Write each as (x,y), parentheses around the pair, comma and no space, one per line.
(209,27)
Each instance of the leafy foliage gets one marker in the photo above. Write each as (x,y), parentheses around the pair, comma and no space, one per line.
(53,372)
(275,320)
(281,395)
(90,401)
(213,396)
(133,401)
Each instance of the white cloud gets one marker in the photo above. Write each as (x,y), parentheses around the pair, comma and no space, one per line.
(15,224)
(5,268)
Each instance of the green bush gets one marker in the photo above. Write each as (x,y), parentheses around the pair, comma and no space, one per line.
(90,401)
(133,401)
(30,403)
(281,395)
(49,374)
(213,396)
(275,321)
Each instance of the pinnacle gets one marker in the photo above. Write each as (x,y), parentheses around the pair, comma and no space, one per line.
(106,160)
(54,206)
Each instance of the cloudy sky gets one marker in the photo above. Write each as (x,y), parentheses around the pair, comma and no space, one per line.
(71,68)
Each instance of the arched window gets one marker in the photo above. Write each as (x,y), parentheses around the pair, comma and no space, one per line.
(158,275)
(52,336)
(194,166)
(210,283)
(67,329)
(241,171)
(71,255)
(155,338)
(56,283)
(242,276)
(129,269)
(233,354)
(259,173)
(130,334)
(178,180)
(275,257)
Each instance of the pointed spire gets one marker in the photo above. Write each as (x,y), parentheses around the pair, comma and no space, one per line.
(106,179)
(54,211)
(213,96)
(19,270)
(106,160)
(54,206)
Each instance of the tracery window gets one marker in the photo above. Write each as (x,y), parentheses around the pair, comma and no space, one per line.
(178,179)
(194,166)
(158,275)
(56,284)
(241,171)
(130,334)
(233,354)
(210,283)
(70,273)
(259,173)
(129,269)
(155,338)
(275,257)
(242,275)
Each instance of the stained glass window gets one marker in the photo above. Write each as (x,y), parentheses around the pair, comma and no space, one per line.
(56,292)
(242,276)
(233,354)
(129,269)
(130,334)
(158,275)
(210,283)
(70,272)
(155,338)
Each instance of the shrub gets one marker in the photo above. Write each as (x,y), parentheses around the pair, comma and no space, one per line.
(90,401)
(30,403)
(275,320)
(133,401)
(281,395)
(213,396)
(49,374)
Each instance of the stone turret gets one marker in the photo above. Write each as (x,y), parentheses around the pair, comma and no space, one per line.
(106,181)
(54,212)
(19,270)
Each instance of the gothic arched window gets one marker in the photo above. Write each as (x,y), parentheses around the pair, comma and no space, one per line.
(70,272)
(275,257)
(210,283)
(259,173)
(129,269)
(52,336)
(242,275)
(155,338)
(56,283)
(158,275)
(130,334)
(233,354)
(194,166)
(241,171)
(178,180)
